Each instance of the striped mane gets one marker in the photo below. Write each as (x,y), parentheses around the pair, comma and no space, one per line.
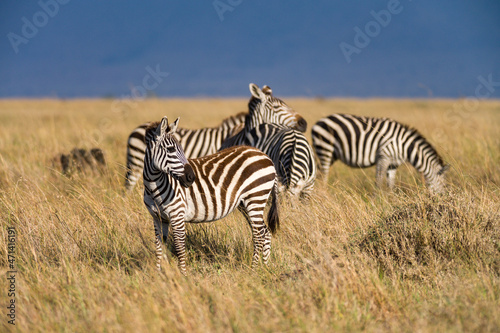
(423,141)
(150,131)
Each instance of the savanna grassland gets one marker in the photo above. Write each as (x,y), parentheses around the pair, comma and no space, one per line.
(353,258)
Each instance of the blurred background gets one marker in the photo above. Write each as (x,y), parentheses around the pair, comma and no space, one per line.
(363,48)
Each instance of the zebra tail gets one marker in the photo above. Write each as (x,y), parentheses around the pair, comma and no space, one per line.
(273,215)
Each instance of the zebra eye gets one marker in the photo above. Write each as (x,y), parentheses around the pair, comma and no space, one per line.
(171,149)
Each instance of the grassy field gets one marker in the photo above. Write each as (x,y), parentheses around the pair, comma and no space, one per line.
(354,258)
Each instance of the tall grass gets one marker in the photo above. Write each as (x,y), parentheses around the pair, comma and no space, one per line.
(352,258)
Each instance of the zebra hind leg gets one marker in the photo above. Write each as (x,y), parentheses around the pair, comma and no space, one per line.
(254,213)
(325,157)
(131,178)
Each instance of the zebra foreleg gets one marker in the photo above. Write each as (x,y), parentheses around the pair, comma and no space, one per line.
(381,172)
(179,234)
(158,248)
(391,176)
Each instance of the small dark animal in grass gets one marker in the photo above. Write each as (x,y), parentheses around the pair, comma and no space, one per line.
(80,160)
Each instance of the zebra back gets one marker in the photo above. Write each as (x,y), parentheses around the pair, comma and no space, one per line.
(291,154)
(196,142)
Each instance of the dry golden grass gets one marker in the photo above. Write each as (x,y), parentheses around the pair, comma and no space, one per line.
(353,258)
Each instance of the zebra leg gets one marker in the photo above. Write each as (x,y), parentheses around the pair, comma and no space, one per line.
(266,248)
(391,176)
(179,233)
(165,226)
(254,213)
(158,249)
(324,151)
(381,173)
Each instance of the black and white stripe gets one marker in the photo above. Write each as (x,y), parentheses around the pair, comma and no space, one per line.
(287,147)
(291,153)
(363,142)
(196,143)
(263,106)
(177,190)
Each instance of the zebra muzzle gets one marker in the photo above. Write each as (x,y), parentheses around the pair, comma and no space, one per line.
(302,125)
(188,177)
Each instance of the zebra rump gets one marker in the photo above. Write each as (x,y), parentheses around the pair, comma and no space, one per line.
(290,152)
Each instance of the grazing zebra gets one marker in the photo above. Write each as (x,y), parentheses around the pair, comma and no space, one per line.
(196,143)
(363,142)
(177,190)
(205,141)
(291,153)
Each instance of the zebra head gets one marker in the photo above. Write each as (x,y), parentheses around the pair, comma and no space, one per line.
(167,154)
(263,107)
(436,179)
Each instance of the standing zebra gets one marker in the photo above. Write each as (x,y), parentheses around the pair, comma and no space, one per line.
(206,189)
(363,142)
(196,143)
(205,141)
(290,151)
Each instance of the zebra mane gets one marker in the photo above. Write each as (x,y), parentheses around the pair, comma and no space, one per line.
(423,142)
(253,118)
(150,131)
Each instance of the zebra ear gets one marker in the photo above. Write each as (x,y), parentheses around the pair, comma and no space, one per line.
(173,126)
(267,90)
(256,92)
(162,127)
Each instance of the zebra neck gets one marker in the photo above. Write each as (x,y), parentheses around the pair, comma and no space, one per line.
(424,158)
(252,121)
(161,185)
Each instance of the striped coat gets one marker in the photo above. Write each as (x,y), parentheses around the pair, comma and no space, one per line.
(363,142)
(178,190)
(196,142)
(290,152)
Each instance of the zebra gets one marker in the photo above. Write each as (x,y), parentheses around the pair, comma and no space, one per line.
(290,152)
(364,141)
(197,143)
(205,141)
(178,190)
(287,147)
